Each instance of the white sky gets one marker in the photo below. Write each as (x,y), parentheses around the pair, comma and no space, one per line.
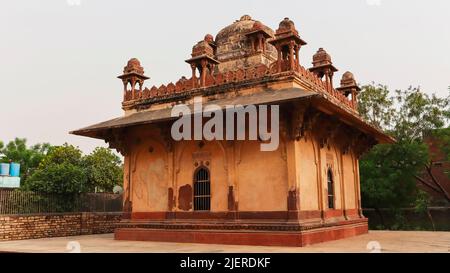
(60,58)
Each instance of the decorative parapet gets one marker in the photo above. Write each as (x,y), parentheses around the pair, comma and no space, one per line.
(185,86)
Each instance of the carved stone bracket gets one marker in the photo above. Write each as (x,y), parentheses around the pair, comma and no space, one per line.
(363,143)
(343,137)
(297,124)
(324,127)
(116,140)
(310,119)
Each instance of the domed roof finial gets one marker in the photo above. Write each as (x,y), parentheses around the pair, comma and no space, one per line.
(288,43)
(286,25)
(257,25)
(348,76)
(245,18)
(209,38)
(321,58)
(348,84)
(133,74)
(348,80)
(133,66)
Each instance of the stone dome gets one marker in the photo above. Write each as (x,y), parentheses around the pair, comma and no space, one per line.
(258,25)
(321,58)
(348,76)
(133,66)
(208,38)
(232,42)
(286,25)
(348,81)
(133,62)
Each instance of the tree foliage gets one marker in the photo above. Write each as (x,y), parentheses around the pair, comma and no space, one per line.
(389,172)
(376,106)
(103,169)
(61,171)
(418,113)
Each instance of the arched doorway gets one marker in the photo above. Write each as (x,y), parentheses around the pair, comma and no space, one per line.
(202,190)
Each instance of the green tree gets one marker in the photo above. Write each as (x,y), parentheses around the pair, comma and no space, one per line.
(104,170)
(389,172)
(376,106)
(62,170)
(418,113)
(28,157)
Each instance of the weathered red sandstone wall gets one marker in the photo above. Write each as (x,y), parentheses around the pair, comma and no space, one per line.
(244,178)
(33,226)
(261,178)
(309,194)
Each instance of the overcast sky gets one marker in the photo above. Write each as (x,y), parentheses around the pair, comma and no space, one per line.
(59,58)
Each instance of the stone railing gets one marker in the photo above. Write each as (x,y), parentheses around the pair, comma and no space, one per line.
(258,72)
(322,86)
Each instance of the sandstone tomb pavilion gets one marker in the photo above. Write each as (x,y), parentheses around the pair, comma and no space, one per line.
(305,191)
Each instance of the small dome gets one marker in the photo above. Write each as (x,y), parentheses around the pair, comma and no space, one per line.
(348,81)
(133,65)
(286,25)
(209,38)
(232,41)
(134,62)
(202,48)
(321,57)
(257,25)
(245,18)
(348,76)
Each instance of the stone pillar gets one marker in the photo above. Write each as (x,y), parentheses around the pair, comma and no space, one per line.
(327,81)
(260,42)
(203,74)
(293,175)
(354,101)
(133,84)
(124,89)
(279,58)
(330,75)
(194,78)
(291,55)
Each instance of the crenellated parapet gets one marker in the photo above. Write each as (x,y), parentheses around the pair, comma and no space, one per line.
(191,85)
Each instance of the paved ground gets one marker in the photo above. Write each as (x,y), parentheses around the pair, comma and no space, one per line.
(385,241)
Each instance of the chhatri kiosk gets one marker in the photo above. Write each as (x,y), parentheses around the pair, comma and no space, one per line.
(229,191)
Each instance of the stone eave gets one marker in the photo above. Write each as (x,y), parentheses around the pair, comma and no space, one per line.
(133,74)
(203,56)
(330,107)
